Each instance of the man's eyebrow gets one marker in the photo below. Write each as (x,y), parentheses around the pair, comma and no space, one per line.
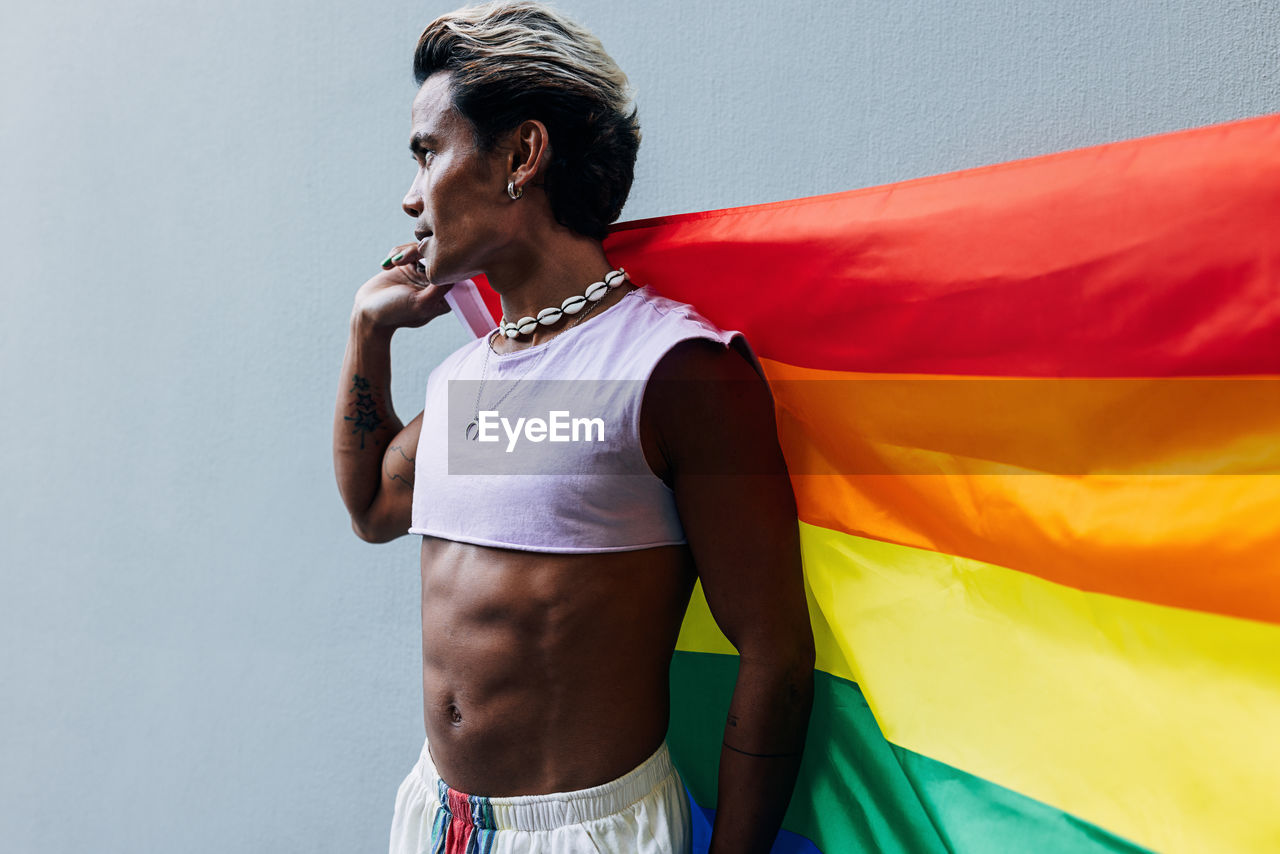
(420,141)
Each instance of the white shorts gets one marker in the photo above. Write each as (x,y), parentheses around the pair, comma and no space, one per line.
(644,811)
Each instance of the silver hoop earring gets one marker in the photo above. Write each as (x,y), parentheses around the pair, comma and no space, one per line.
(513,191)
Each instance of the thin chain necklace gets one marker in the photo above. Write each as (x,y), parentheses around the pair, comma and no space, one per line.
(472,430)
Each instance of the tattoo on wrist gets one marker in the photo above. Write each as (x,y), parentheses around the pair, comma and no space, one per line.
(366,420)
(761,755)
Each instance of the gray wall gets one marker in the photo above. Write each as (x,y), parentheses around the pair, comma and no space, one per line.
(199,655)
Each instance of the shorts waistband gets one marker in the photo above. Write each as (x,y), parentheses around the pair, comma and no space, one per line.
(548,812)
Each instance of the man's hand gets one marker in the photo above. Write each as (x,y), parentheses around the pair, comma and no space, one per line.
(400,296)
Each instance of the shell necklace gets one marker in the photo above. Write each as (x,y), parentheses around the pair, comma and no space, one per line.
(572,305)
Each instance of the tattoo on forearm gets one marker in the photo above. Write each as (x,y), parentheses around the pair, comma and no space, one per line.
(761,755)
(394,475)
(366,420)
(733,720)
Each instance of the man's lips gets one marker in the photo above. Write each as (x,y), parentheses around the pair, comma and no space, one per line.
(422,250)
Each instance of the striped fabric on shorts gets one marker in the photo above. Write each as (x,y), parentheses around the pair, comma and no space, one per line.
(644,811)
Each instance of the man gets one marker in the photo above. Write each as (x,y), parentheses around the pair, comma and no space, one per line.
(551,602)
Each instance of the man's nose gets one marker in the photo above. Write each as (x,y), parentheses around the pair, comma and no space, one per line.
(412,204)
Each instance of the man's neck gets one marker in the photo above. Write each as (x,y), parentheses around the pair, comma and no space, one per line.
(543,276)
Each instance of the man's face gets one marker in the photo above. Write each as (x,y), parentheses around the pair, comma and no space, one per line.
(458,198)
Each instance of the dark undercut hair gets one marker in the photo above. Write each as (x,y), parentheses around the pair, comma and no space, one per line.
(516,60)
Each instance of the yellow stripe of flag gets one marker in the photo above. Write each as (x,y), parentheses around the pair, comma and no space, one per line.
(1113,710)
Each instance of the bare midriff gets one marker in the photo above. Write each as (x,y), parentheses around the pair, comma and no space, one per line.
(546,672)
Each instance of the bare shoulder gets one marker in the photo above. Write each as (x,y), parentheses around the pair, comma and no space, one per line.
(706,359)
(708,410)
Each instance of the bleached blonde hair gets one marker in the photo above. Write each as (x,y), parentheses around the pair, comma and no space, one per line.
(514,60)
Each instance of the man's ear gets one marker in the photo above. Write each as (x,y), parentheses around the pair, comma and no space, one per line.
(530,153)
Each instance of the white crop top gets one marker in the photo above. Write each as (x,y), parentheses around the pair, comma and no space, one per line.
(556,465)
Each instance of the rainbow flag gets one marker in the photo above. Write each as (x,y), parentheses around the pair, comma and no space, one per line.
(1033,424)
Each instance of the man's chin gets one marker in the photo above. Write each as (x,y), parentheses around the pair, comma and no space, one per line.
(441,275)
(433,272)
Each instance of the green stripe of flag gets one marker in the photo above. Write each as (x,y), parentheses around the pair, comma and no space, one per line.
(863,793)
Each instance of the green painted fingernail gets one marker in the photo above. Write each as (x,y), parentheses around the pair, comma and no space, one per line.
(387,261)
(398,257)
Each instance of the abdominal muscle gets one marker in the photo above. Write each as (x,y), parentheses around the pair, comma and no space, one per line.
(546,672)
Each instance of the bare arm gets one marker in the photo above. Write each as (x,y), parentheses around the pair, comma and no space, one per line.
(717,435)
(372,450)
